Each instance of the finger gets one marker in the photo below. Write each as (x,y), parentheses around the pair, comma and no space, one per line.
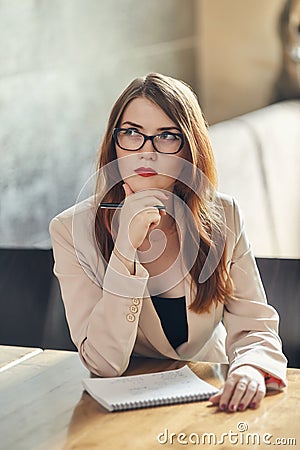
(150,203)
(239,392)
(227,393)
(152,209)
(260,393)
(157,193)
(127,189)
(215,398)
(248,396)
(153,219)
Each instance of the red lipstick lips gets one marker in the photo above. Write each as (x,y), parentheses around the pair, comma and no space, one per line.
(145,171)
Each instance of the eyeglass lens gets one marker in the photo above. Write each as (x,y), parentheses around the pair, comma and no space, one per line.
(132,140)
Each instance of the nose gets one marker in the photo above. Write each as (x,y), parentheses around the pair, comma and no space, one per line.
(148,151)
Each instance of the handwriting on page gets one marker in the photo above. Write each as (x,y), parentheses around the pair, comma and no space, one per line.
(138,391)
(135,385)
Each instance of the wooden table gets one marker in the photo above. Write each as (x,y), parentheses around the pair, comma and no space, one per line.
(11,356)
(43,407)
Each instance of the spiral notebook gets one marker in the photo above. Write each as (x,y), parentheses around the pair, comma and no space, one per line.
(153,389)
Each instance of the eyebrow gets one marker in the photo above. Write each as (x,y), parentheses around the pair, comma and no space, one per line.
(136,125)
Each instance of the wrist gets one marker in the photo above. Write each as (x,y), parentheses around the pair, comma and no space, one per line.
(128,253)
(129,260)
(271,379)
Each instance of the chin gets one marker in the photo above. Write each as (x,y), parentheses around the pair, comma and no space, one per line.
(138,183)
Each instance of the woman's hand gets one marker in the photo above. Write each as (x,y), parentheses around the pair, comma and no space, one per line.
(138,216)
(245,387)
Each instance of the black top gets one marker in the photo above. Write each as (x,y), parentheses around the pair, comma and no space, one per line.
(172,314)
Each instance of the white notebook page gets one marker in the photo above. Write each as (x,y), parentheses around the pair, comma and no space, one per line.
(154,386)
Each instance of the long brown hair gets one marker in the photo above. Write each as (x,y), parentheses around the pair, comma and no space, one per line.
(180,104)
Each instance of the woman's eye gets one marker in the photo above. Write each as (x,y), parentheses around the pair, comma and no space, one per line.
(130,132)
(168,136)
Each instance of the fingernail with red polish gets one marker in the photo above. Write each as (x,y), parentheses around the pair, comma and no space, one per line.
(241,406)
(252,405)
(232,408)
(223,407)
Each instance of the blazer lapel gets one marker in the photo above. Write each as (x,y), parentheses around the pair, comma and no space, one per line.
(200,326)
(150,325)
(149,321)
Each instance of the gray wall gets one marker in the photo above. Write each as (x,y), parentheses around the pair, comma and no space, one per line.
(62,65)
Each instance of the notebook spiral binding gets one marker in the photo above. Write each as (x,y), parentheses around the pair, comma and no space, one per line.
(162,401)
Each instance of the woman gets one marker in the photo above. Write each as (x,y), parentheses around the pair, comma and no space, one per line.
(169,273)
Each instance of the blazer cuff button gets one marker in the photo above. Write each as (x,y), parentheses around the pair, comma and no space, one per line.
(136,301)
(130,317)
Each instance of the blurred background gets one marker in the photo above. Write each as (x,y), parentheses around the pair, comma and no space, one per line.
(63,63)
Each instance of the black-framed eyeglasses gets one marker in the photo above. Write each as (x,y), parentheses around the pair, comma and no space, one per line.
(132,140)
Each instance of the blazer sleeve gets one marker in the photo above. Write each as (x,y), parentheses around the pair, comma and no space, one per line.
(251,324)
(103,320)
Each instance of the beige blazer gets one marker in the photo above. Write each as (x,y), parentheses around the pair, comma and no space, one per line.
(111,316)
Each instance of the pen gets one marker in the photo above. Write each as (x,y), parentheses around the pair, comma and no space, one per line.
(107,205)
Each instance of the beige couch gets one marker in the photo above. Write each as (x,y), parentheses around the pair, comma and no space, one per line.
(258,161)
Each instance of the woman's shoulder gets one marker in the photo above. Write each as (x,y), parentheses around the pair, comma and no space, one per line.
(226,200)
(229,203)
(232,214)
(80,213)
(72,235)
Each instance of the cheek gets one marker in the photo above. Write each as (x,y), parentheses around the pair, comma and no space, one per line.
(165,182)
(120,153)
(125,163)
(171,166)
